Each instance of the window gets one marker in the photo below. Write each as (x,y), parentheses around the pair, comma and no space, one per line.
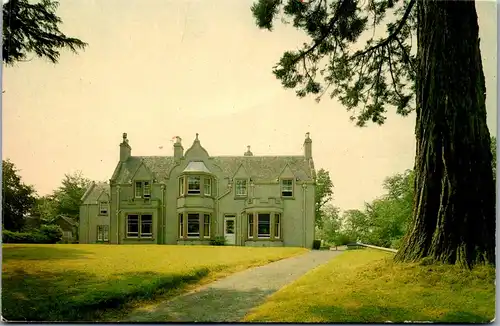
(193,185)
(142,189)
(103,208)
(181,225)
(206,226)
(193,225)
(250,225)
(287,188)
(147,190)
(146,226)
(181,186)
(132,226)
(140,226)
(138,189)
(277,231)
(241,187)
(207,187)
(102,232)
(263,227)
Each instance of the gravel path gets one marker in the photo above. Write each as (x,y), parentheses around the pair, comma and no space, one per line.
(230,298)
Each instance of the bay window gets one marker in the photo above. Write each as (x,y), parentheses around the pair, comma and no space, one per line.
(194,184)
(250,225)
(206,226)
(277,231)
(207,187)
(181,186)
(193,225)
(263,225)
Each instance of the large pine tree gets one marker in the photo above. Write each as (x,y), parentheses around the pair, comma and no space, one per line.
(454,204)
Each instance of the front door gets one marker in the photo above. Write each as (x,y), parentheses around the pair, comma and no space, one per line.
(230,230)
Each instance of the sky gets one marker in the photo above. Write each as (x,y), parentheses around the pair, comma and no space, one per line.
(159,68)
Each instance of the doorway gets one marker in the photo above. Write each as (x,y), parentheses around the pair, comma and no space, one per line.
(230,229)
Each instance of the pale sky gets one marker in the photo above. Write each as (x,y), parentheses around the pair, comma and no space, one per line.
(158,68)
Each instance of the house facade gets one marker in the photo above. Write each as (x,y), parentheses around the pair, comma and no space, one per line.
(192,197)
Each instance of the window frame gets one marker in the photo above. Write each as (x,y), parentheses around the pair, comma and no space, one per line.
(106,212)
(193,235)
(102,233)
(287,188)
(139,234)
(182,189)
(236,187)
(263,236)
(189,191)
(144,190)
(250,224)
(209,192)
(277,226)
(207,222)
(138,189)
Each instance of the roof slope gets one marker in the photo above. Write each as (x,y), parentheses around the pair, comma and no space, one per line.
(259,167)
(94,191)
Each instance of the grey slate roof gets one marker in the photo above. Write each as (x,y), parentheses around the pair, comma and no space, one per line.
(259,167)
(94,191)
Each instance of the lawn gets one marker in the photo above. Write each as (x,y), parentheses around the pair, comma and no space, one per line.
(366,286)
(83,282)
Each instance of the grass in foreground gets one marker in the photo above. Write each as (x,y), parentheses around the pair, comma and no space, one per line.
(366,286)
(80,282)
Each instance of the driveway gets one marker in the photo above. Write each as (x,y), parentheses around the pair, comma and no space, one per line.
(230,298)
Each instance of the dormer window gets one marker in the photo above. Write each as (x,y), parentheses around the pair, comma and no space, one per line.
(287,188)
(241,187)
(194,185)
(103,208)
(142,189)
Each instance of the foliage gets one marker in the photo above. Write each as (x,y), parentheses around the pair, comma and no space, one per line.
(53,233)
(316,244)
(330,224)
(33,28)
(367,80)
(365,286)
(46,208)
(17,197)
(68,197)
(494,158)
(73,282)
(323,194)
(218,241)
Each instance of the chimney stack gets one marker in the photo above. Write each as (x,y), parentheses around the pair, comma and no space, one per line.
(308,147)
(178,149)
(125,149)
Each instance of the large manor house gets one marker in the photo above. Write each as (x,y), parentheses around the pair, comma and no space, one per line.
(192,197)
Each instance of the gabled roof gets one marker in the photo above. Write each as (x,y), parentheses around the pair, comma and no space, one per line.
(258,167)
(94,192)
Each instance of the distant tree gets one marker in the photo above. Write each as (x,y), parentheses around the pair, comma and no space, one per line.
(17,198)
(324,193)
(494,156)
(68,196)
(331,223)
(46,208)
(33,28)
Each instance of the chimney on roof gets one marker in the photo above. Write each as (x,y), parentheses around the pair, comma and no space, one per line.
(178,149)
(248,152)
(125,149)
(308,147)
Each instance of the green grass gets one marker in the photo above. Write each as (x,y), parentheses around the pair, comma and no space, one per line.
(99,282)
(366,286)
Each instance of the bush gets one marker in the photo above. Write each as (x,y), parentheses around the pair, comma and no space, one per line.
(218,241)
(53,233)
(23,237)
(316,244)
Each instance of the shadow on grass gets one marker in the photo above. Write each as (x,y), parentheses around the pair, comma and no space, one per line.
(42,253)
(79,296)
(206,305)
(379,314)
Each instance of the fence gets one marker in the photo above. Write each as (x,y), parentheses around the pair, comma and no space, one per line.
(375,247)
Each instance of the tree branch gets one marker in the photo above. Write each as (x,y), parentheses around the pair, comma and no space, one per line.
(393,35)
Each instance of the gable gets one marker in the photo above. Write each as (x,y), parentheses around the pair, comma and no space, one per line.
(287,173)
(104,196)
(241,172)
(96,191)
(142,173)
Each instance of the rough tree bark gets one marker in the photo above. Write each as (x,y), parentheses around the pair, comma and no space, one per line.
(454,204)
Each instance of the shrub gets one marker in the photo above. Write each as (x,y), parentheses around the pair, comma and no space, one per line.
(316,244)
(218,241)
(53,233)
(23,237)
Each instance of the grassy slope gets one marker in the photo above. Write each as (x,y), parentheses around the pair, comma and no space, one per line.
(73,282)
(366,286)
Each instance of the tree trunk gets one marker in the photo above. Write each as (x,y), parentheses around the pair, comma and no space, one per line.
(454,204)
